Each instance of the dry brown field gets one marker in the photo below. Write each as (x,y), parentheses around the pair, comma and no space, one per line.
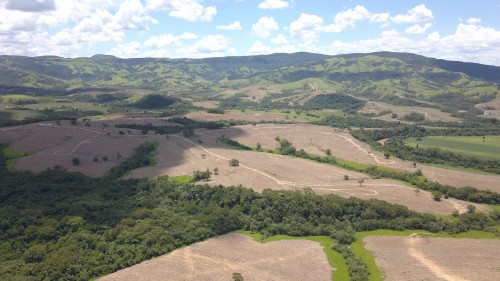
(57,145)
(258,170)
(431,114)
(416,258)
(218,258)
(316,139)
(206,104)
(494,104)
(236,115)
(253,93)
(176,155)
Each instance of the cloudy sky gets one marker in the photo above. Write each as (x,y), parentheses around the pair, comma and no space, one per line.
(450,29)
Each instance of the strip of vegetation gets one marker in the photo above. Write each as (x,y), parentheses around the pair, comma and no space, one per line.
(57,225)
(335,259)
(12,157)
(396,146)
(416,179)
(142,157)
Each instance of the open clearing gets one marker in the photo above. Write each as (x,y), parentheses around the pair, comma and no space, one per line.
(415,258)
(236,115)
(258,170)
(316,139)
(59,144)
(431,114)
(475,146)
(218,258)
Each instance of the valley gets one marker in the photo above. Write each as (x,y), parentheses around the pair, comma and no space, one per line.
(119,169)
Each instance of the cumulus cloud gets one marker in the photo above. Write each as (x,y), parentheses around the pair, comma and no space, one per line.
(232,26)
(307,27)
(259,48)
(279,39)
(274,4)
(162,41)
(264,27)
(126,50)
(473,20)
(190,10)
(31,5)
(416,14)
(470,42)
(417,29)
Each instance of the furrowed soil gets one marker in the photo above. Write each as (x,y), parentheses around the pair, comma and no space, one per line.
(218,258)
(416,258)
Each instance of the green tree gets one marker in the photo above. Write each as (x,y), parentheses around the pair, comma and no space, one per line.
(237,277)
(75,161)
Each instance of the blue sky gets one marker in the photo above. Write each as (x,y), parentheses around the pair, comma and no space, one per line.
(449,29)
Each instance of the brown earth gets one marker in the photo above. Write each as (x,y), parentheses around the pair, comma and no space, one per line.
(206,104)
(236,115)
(416,258)
(57,145)
(431,114)
(218,258)
(316,139)
(257,170)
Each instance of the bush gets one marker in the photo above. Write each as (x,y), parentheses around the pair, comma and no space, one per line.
(75,161)
(234,163)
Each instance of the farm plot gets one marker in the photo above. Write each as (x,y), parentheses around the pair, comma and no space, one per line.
(219,258)
(431,114)
(317,139)
(476,146)
(57,145)
(236,115)
(180,156)
(415,258)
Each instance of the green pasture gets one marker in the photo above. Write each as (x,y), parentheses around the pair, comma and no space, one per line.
(476,146)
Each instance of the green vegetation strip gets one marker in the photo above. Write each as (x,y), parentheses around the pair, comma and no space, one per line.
(335,259)
(358,247)
(12,157)
(476,146)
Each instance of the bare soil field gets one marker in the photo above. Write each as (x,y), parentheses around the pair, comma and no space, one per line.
(236,115)
(491,109)
(316,139)
(253,93)
(176,155)
(139,119)
(206,104)
(257,170)
(218,258)
(57,145)
(431,114)
(415,258)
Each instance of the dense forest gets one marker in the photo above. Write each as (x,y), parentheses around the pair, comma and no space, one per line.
(57,225)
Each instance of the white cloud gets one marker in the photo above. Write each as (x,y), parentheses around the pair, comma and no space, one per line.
(473,20)
(264,27)
(274,4)
(30,5)
(232,26)
(348,18)
(416,14)
(307,27)
(417,29)
(126,50)
(259,48)
(279,39)
(162,41)
(190,10)
(470,42)
(188,36)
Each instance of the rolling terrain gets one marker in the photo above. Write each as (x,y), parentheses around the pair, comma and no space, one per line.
(110,166)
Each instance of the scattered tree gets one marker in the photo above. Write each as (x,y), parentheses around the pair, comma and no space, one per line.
(234,162)
(471,208)
(361,181)
(96,159)
(105,158)
(387,155)
(216,171)
(199,175)
(75,161)
(328,151)
(436,195)
(346,177)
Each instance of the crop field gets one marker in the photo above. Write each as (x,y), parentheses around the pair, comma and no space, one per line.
(414,257)
(219,258)
(476,146)
(317,139)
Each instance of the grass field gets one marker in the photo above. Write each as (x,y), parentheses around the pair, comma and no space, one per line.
(470,146)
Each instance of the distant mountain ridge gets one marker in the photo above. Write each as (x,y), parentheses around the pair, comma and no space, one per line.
(371,73)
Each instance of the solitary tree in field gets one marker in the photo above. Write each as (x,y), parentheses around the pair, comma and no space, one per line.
(471,208)
(328,151)
(387,155)
(234,162)
(346,177)
(484,138)
(361,181)
(237,277)
(75,161)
